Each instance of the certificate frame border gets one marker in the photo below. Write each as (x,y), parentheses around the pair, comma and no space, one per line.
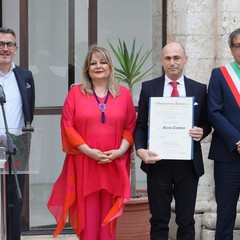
(192,143)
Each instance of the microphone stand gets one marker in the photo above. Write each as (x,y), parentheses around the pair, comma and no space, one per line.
(10,151)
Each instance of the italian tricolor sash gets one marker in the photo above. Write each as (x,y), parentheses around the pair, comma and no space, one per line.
(231,73)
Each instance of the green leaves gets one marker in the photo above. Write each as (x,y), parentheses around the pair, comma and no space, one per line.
(131,63)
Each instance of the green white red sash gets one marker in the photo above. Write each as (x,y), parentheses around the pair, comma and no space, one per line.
(231,73)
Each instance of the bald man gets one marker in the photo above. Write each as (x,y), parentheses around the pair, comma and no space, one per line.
(168,178)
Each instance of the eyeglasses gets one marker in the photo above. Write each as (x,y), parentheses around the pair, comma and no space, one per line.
(10,45)
(236,46)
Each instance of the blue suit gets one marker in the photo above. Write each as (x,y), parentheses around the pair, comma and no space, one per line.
(224,116)
(168,178)
(27,91)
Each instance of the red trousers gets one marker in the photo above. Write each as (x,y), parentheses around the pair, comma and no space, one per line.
(98,205)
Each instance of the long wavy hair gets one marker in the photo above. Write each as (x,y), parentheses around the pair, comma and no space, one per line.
(101,52)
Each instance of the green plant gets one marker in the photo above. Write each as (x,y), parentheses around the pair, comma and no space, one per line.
(130,72)
(131,63)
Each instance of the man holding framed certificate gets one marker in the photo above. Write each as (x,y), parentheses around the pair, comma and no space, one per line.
(172,120)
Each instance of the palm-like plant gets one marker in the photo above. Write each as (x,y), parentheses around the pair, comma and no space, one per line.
(130,72)
(131,63)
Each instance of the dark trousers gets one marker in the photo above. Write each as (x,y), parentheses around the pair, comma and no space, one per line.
(167,179)
(227,188)
(15,208)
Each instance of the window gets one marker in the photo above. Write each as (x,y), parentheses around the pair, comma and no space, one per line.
(58,35)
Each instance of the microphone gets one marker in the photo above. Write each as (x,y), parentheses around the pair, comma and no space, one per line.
(2,95)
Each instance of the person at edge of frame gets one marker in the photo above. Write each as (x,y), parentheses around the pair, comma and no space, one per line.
(224,116)
(18,86)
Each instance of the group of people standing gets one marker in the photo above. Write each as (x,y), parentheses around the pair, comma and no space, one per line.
(99,129)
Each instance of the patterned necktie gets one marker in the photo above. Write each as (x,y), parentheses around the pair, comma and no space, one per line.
(175,92)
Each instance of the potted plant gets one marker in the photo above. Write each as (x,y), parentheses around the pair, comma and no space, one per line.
(130,72)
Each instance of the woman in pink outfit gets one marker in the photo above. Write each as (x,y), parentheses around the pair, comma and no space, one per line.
(97,124)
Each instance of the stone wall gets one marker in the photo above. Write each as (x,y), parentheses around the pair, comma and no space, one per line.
(203,27)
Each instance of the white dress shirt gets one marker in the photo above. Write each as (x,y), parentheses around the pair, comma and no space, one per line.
(13,105)
(168,88)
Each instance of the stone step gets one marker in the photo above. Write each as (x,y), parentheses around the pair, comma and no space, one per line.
(49,237)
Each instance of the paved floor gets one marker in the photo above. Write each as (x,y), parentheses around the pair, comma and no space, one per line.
(47,237)
(61,237)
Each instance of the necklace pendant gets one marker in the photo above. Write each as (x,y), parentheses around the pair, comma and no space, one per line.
(102,106)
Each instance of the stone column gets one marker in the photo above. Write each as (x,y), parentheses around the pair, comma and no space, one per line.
(203,27)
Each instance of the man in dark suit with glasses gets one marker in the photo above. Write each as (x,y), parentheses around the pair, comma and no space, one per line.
(18,86)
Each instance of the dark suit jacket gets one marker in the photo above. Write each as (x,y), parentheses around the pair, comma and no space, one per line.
(154,88)
(224,115)
(27,91)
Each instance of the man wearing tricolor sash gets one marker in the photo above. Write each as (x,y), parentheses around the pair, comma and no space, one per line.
(224,115)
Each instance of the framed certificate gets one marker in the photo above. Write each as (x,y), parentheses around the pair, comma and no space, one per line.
(170,119)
